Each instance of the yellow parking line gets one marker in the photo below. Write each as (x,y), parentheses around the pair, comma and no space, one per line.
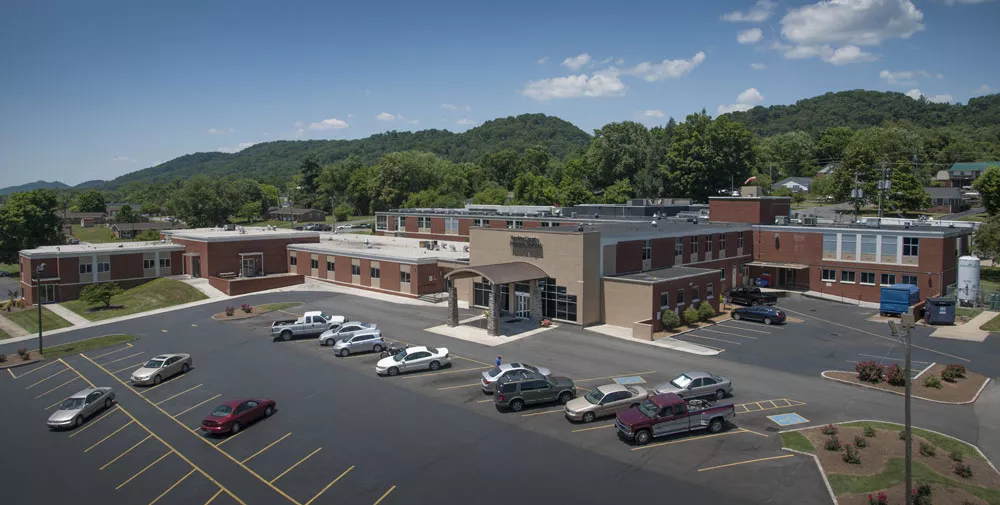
(144,469)
(185,411)
(54,404)
(33,369)
(460,386)
(446,372)
(11,373)
(113,433)
(47,378)
(230,437)
(214,496)
(173,379)
(126,452)
(485,365)
(742,327)
(272,444)
(594,428)
(123,359)
(127,346)
(380,498)
(129,367)
(711,338)
(171,488)
(486,400)
(692,439)
(745,462)
(334,481)
(84,428)
(755,433)
(554,411)
(178,394)
(299,462)
(57,387)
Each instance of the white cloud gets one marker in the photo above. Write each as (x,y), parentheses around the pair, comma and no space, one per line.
(122,159)
(984,90)
(574,86)
(953,2)
(218,131)
(327,124)
(758,66)
(744,101)
(350,116)
(620,61)
(859,22)
(751,36)
(385,116)
(840,56)
(906,77)
(543,60)
(734,107)
(575,63)
(652,113)
(758,13)
(605,61)
(298,124)
(849,54)
(465,122)
(916,94)
(666,69)
(453,107)
(237,148)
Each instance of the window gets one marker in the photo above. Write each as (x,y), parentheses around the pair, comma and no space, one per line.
(847,276)
(404,276)
(515,225)
(104,266)
(829,275)
(451,225)
(329,265)
(888,279)
(910,279)
(869,243)
(292,260)
(546,224)
(722,274)
(423,222)
(889,249)
(680,297)
(830,246)
(148,264)
(376,272)
(694,245)
(709,291)
(355,269)
(722,241)
(381,222)
(400,223)
(164,262)
(849,246)
(86,268)
(556,303)
(695,294)
(314,263)
(477,222)
(647,250)
(911,246)
(679,246)
(708,245)
(664,299)
(739,241)
(868,278)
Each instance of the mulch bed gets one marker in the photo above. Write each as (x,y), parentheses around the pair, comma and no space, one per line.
(962,390)
(14,360)
(239,314)
(940,496)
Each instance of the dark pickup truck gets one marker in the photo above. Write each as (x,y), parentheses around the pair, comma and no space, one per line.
(751,296)
(666,414)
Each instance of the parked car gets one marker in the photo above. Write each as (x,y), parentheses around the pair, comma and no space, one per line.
(73,241)
(233,415)
(666,414)
(73,411)
(344,227)
(161,368)
(343,330)
(762,313)
(604,401)
(360,341)
(362,226)
(4,273)
(311,323)
(413,358)
(751,296)
(695,384)
(514,394)
(509,370)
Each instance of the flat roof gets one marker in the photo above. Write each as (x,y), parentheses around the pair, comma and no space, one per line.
(663,274)
(637,230)
(785,198)
(241,233)
(916,230)
(406,250)
(54,251)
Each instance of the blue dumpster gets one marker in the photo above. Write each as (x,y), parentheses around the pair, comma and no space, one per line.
(897,298)
(939,311)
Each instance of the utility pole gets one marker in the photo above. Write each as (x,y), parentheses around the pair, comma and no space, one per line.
(856,195)
(907,324)
(883,184)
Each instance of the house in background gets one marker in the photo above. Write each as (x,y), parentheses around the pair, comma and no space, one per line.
(796,184)
(828,169)
(127,231)
(298,215)
(113,208)
(962,175)
(946,200)
(84,219)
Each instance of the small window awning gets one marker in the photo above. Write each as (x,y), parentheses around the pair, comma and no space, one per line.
(774,264)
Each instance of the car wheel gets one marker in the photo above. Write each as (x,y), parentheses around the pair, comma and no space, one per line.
(715,426)
(435,365)
(589,417)
(384,354)
(517,405)
(737,316)
(753,302)
(268,411)
(185,368)
(393,371)
(107,403)
(328,341)
(767,320)
(377,348)
(286,335)
(720,394)
(157,380)
(565,397)
(344,353)
(235,429)
(78,421)
(643,437)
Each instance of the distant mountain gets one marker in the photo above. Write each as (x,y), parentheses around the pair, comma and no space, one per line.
(280,160)
(861,109)
(33,185)
(95,184)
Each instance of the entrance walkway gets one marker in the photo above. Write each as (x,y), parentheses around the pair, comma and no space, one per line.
(74,318)
(201,284)
(969,331)
(11,328)
(473,329)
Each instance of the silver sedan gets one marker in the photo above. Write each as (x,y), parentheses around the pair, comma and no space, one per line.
(695,384)
(161,368)
(604,401)
(77,408)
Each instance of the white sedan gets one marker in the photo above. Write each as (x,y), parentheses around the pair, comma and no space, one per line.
(413,358)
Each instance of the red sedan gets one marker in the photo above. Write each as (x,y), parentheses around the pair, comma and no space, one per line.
(230,417)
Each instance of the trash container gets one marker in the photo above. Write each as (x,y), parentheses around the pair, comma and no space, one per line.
(940,311)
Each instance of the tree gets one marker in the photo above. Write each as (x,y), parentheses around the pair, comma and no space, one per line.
(28,220)
(95,294)
(271,195)
(126,214)
(617,151)
(534,160)
(868,152)
(574,192)
(707,156)
(490,195)
(788,154)
(619,192)
(334,180)
(988,186)
(433,199)
(249,211)
(202,201)
(501,167)
(832,143)
(148,236)
(530,189)
(821,186)
(343,212)
(149,208)
(986,241)
(798,197)
(781,191)
(91,201)
(905,193)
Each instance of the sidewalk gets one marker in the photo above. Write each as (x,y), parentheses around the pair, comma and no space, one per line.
(969,331)
(11,328)
(73,318)
(623,333)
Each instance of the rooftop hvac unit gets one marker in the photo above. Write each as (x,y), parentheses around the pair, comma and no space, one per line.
(872,223)
(782,220)
(809,221)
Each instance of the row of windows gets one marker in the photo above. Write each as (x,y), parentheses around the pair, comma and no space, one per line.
(647,248)
(679,297)
(870,250)
(102,267)
(556,302)
(867,278)
(151,264)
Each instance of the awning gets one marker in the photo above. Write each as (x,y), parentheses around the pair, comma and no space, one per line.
(772,264)
(501,273)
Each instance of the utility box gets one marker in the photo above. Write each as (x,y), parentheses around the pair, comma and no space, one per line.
(939,311)
(897,299)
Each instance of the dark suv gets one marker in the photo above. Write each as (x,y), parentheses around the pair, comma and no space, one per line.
(515,393)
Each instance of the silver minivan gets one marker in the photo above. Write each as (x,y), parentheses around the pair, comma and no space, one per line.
(360,341)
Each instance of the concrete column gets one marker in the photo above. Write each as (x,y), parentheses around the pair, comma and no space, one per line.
(452,304)
(536,300)
(493,321)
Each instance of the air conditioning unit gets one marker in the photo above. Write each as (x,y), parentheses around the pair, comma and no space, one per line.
(781,220)
(647,265)
(809,221)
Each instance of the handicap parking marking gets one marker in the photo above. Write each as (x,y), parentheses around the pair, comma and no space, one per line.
(762,405)
(634,379)
(787,419)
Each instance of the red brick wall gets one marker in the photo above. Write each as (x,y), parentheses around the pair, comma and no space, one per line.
(463,228)
(437,225)
(366,273)
(422,284)
(663,252)
(390,222)
(628,256)
(234,287)
(748,210)
(342,269)
(201,248)
(176,262)
(126,266)
(411,224)
(389,275)
(69,270)
(225,256)
(532,224)
(686,284)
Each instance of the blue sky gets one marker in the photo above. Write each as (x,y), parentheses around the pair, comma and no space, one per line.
(93,90)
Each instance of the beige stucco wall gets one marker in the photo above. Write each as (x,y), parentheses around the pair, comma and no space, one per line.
(626,302)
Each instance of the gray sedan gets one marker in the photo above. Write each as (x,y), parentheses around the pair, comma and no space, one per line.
(361,341)
(77,408)
(161,368)
(695,384)
(604,401)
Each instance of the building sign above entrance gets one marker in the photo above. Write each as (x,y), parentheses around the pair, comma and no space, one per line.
(526,246)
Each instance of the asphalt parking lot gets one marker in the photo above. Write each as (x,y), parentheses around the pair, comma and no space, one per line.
(343,435)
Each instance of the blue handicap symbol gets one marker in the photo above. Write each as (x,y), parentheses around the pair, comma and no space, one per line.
(788,419)
(635,379)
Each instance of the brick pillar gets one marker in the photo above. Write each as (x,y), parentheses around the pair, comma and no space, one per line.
(536,301)
(452,304)
(493,321)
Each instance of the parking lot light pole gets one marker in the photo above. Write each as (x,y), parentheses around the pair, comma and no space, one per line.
(38,301)
(906,324)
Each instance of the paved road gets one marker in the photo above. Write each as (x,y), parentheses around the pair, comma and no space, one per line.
(970,212)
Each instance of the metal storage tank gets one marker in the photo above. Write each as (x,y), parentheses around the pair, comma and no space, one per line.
(967,287)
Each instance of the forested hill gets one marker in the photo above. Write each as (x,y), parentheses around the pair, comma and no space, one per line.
(861,109)
(32,185)
(278,161)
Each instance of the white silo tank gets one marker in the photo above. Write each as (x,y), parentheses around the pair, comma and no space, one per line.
(968,280)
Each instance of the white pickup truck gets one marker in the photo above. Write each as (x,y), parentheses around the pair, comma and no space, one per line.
(311,323)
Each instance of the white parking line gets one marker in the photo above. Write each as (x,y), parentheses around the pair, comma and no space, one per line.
(729,333)
(894,359)
(743,328)
(710,338)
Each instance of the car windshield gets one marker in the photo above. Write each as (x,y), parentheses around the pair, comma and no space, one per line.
(648,408)
(529,367)
(399,357)
(154,363)
(681,381)
(72,404)
(632,390)
(594,397)
(494,372)
(432,350)
(718,379)
(222,411)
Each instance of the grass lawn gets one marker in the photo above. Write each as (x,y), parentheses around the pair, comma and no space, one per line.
(797,441)
(992,325)
(946,444)
(90,344)
(3,335)
(975,217)
(152,295)
(12,268)
(96,233)
(893,475)
(28,319)
(967,312)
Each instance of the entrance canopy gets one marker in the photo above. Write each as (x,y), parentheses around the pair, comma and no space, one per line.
(501,273)
(773,264)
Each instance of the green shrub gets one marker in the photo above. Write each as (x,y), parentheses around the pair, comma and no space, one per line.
(870,371)
(932,381)
(343,212)
(860,442)
(830,429)
(670,319)
(922,494)
(957,455)
(832,443)
(927,449)
(706,311)
(691,315)
(869,431)
(894,376)
(851,455)
(963,470)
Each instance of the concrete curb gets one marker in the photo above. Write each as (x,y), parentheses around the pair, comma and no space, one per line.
(662,344)
(973,400)
(23,363)
(822,473)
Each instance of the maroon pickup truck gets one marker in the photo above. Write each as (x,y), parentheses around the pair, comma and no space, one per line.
(667,413)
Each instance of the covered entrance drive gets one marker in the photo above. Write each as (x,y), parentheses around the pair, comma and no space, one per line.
(523,278)
(780,275)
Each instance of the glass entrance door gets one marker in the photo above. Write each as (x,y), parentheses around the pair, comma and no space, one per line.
(248,266)
(47,293)
(523,305)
